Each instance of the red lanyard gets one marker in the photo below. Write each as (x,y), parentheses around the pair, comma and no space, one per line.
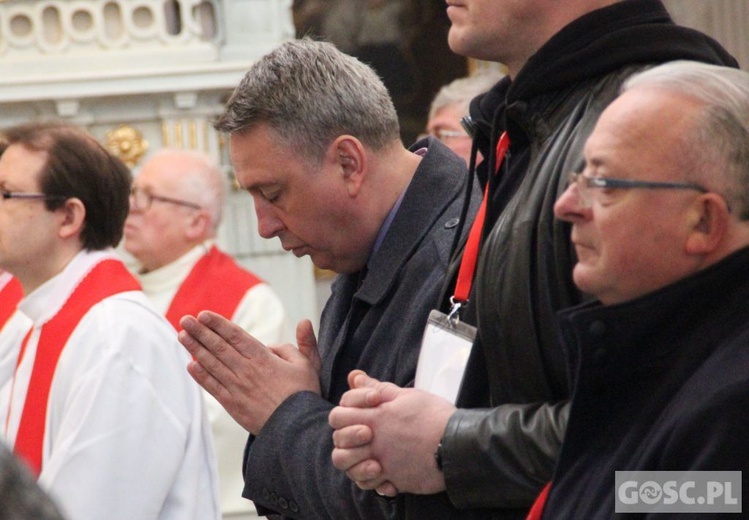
(471,253)
(538,506)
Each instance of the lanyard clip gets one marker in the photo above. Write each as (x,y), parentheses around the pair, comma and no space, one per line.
(454,315)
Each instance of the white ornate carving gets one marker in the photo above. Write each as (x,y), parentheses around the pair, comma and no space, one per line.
(54,27)
(57,37)
(162,68)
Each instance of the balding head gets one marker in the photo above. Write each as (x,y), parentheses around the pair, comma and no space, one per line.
(180,201)
(197,178)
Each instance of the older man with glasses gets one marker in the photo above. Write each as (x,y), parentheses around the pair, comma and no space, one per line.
(660,225)
(450,107)
(184,272)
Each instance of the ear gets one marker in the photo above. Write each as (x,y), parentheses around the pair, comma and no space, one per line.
(350,156)
(709,224)
(72,218)
(199,226)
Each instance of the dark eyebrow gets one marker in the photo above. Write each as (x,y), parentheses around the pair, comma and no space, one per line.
(258,186)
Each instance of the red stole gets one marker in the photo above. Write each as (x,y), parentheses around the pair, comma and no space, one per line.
(107,278)
(10,295)
(216,283)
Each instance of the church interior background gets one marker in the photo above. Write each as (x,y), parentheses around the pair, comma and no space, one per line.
(145,74)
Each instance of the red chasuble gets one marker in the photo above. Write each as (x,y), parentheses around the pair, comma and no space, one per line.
(10,295)
(107,278)
(216,283)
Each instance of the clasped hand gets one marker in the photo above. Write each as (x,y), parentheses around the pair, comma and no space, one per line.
(249,379)
(385,436)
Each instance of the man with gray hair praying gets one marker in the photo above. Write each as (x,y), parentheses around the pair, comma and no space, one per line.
(314,139)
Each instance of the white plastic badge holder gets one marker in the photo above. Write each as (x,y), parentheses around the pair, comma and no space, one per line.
(445,348)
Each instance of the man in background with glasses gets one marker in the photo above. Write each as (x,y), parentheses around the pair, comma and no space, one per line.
(176,205)
(98,404)
(450,106)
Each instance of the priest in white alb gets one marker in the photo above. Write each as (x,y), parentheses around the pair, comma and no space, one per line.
(99,404)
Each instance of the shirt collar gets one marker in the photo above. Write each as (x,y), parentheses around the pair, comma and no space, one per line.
(47,299)
(391,214)
(171,275)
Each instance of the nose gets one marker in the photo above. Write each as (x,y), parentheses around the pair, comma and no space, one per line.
(570,206)
(268,223)
(133,205)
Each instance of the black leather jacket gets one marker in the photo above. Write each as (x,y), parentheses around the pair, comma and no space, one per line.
(500,448)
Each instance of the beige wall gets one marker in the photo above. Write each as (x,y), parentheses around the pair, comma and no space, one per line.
(725,20)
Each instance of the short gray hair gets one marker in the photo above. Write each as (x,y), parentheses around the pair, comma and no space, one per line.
(462,90)
(719,147)
(310,93)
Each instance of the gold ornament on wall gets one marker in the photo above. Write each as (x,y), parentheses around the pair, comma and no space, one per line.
(127,144)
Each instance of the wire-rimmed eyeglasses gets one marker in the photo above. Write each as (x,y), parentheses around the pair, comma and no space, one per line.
(141,200)
(7,195)
(444,134)
(585,184)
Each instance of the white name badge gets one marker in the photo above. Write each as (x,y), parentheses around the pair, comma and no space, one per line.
(445,348)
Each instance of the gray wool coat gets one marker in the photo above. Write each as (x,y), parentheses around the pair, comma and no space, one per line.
(376,325)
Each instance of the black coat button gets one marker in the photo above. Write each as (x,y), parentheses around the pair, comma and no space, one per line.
(597,329)
(452,223)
